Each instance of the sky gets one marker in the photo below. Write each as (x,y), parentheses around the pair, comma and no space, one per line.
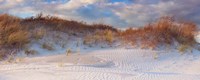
(118,13)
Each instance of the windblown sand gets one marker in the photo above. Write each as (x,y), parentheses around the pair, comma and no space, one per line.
(114,64)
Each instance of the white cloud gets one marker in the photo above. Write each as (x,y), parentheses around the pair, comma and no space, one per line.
(6,4)
(74,4)
(122,14)
(141,13)
(134,14)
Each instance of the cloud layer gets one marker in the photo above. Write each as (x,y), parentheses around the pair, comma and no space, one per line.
(119,13)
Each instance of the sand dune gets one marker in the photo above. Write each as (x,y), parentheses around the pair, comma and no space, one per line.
(115,64)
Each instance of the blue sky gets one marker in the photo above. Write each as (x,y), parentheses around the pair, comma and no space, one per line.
(119,13)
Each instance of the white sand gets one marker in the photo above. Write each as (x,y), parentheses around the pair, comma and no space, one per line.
(116,64)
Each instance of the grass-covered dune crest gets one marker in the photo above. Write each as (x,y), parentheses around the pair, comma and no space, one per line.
(17,34)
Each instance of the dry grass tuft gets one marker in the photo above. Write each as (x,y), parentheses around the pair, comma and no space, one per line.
(19,38)
(103,36)
(183,48)
(39,33)
(30,52)
(68,52)
(164,32)
(48,46)
(12,35)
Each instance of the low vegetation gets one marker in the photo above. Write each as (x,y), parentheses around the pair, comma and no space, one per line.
(103,36)
(30,52)
(39,33)
(164,32)
(11,33)
(47,46)
(15,33)
(68,52)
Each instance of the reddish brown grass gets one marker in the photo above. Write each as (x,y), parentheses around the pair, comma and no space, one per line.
(16,32)
(69,26)
(164,32)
